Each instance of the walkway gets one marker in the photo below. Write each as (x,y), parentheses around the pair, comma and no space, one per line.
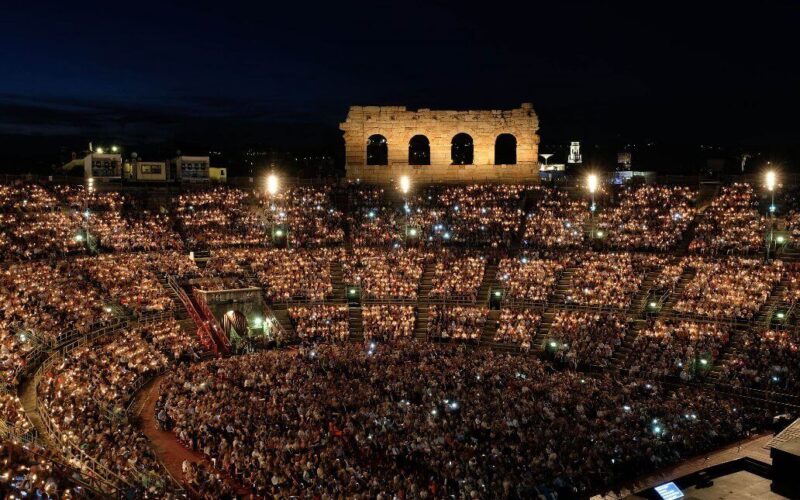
(165,445)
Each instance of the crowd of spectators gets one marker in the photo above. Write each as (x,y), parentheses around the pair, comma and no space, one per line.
(308,213)
(677,348)
(386,274)
(726,289)
(558,220)
(26,197)
(220,217)
(529,279)
(586,338)
(38,302)
(320,322)
(476,214)
(517,327)
(456,322)
(731,225)
(647,217)
(342,421)
(373,220)
(457,276)
(133,233)
(425,420)
(12,415)
(295,273)
(388,321)
(85,398)
(31,471)
(610,280)
(129,280)
(765,359)
(36,235)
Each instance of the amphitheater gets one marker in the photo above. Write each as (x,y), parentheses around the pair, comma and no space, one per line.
(349,340)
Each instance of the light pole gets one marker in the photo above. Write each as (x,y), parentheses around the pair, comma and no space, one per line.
(405,187)
(592,182)
(272,185)
(771,178)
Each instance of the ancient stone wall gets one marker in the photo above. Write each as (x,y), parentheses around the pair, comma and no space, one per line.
(398,125)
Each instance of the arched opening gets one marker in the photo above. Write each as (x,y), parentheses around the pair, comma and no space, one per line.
(377,150)
(505,150)
(419,150)
(461,150)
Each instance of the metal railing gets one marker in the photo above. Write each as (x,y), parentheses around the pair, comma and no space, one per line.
(206,339)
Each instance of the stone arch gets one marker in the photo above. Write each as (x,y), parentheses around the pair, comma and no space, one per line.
(505,149)
(462,149)
(377,150)
(419,150)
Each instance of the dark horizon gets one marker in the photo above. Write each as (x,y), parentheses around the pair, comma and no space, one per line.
(233,77)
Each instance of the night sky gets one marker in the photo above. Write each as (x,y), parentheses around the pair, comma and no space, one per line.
(229,73)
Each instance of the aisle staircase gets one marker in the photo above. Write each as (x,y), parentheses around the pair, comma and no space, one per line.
(337,280)
(490,329)
(180,311)
(619,360)
(543,330)
(426,282)
(562,288)
(641,298)
(282,315)
(684,280)
(489,282)
(764,317)
(356,324)
(421,326)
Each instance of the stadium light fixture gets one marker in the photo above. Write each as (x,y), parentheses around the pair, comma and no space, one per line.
(272,184)
(405,184)
(592,181)
(114,149)
(771,178)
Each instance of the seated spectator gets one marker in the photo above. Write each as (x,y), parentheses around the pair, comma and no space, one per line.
(557,221)
(463,323)
(517,327)
(386,275)
(768,360)
(388,321)
(734,288)
(320,322)
(457,277)
(586,338)
(528,279)
(731,224)
(648,217)
(677,348)
(610,280)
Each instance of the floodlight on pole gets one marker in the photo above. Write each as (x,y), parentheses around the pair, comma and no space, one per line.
(405,184)
(771,177)
(592,182)
(272,184)
(771,180)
